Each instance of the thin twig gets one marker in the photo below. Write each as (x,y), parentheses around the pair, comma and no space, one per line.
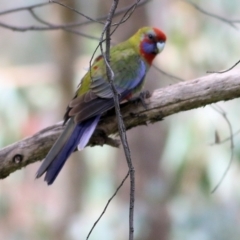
(24,8)
(79,13)
(65,27)
(36,17)
(176,79)
(126,15)
(117,13)
(121,126)
(105,208)
(223,71)
(123,19)
(225,20)
(224,115)
(225,139)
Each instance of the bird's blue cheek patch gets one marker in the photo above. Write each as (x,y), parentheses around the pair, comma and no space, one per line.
(148,47)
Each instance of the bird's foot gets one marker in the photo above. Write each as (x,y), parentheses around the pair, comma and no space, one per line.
(141,98)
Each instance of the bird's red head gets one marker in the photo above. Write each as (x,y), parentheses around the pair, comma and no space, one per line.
(152,41)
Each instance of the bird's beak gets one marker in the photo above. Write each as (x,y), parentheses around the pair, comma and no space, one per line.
(160,46)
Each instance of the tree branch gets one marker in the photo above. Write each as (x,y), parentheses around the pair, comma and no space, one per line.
(66,26)
(163,102)
(232,23)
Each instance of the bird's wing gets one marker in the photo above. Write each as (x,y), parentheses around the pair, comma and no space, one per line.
(129,72)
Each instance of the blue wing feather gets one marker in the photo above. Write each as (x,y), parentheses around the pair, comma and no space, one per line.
(79,137)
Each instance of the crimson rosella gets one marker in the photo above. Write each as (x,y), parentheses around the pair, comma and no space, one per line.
(129,60)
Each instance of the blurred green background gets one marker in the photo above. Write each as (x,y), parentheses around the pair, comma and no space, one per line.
(176,165)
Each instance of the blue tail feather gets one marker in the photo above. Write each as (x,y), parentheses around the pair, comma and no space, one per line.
(80,136)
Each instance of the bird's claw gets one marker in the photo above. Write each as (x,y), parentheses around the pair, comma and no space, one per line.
(141,98)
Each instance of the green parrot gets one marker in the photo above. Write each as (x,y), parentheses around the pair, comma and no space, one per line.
(129,60)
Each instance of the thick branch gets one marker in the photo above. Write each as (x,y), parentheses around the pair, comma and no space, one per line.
(163,102)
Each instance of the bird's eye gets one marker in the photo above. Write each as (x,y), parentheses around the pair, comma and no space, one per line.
(150,36)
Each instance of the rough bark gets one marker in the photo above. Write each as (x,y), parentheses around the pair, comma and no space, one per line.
(163,102)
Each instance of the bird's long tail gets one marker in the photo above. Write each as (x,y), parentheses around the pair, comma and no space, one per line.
(72,137)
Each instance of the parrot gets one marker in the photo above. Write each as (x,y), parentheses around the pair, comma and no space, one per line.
(130,60)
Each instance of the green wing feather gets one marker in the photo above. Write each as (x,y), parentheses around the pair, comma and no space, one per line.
(94,95)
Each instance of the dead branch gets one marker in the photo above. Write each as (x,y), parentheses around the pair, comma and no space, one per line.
(66,26)
(231,23)
(163,102)
(120,123)
(218,109)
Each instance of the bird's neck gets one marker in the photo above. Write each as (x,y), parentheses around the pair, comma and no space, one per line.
(147,57)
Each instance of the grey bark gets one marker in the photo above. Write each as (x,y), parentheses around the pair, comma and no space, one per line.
(163,102)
